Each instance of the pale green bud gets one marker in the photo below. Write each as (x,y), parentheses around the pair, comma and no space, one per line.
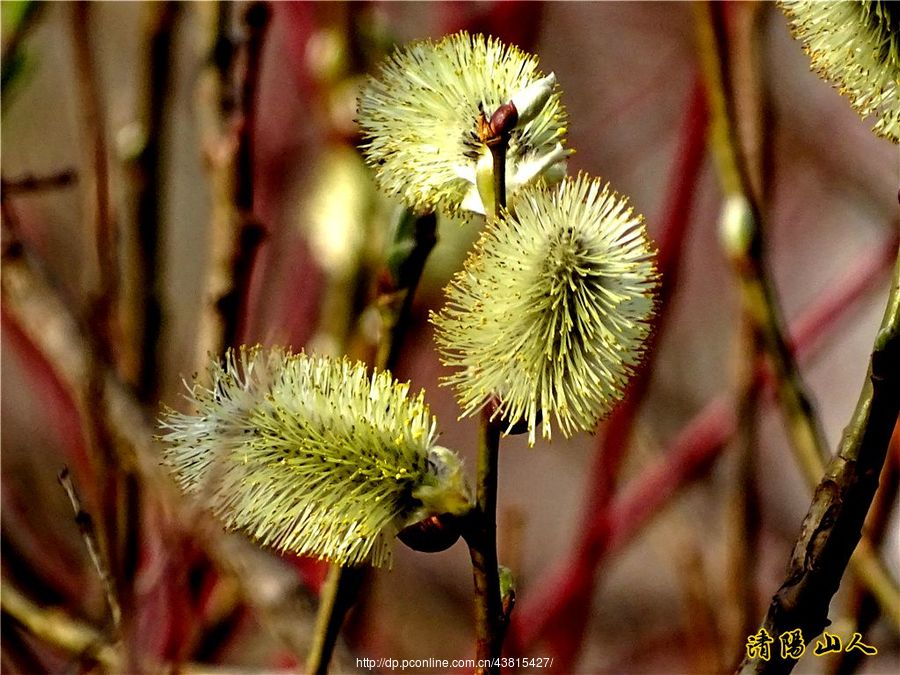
(737,227)
(530,100)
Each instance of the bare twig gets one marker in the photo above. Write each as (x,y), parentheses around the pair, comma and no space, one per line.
(229,97)
(86,526)
(232,305)
(31,183)
(147,172)
(96,179)
(745,241)
(833,525)
(58,629)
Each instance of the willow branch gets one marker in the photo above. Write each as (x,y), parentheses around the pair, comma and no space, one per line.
(481,536)
(57,629)
(833,525)
(686,458)
(232,305)
(759,297)
(96,179)
(148,172)
(228,94)
(86,526)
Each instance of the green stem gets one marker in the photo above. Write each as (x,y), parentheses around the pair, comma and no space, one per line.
(337,597)
(481,530)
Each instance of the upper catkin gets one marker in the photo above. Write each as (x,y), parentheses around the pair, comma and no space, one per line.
(418,119)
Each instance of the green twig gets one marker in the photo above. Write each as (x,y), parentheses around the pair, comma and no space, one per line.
(338,595)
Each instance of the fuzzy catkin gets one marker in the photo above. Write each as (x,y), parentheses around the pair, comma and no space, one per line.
(856,45)
(312,455)
(418,119)
(550,314)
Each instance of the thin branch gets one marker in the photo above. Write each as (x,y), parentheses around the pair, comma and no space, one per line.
(229,93)
(481,536)
(744,512)
(232,305)
(57,629)
(32,183)
(148,175)
(833,525)
(686,459)
(865,605)
(745,243)
(86,526)
(480,531)
(338,595)
(96,179)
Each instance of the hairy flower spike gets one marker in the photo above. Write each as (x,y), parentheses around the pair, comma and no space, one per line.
(419,120)
(552,309)
(313,455)
(855,44)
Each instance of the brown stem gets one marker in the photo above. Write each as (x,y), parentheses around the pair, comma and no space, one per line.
(833,525)
(106,237)
(232,306)
(147,173)
(481,536)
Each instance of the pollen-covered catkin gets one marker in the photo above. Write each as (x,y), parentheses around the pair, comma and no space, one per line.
(418,118)
(312,455)
(550,314)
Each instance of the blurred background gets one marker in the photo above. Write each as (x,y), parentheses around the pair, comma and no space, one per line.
(181,177)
